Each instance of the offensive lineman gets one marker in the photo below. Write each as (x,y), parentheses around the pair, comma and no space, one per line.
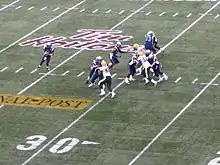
(107,79)
(151,42)
(48,50)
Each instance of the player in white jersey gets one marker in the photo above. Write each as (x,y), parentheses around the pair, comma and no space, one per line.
(107,79)
(146,66)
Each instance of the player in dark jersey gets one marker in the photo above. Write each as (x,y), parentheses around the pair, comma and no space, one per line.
(151,42)
(48,50)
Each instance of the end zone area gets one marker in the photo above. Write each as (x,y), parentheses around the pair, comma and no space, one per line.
(114,131)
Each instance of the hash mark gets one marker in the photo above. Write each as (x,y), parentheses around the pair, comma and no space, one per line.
(19,70)
(33,71)
(114,75)
(121,12)
(18,7)
(162,14)
(174,15)
(43,8)
(95,10)
(148,13)
(4,69)
(65,73)
(216,16)
(82,10)
(108,11)
(80,74)
(196,79)
(189,15)
(30,8)
(178,79)
(56,9)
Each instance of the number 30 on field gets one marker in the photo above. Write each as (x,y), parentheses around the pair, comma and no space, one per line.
(62,146)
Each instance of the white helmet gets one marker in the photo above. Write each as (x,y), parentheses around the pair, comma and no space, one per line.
(148,52)
(119,43)
(98,58)
(150,33)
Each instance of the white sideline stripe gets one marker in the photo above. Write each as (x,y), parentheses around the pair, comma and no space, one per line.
(30,7)
(43,8)
(51,74)
(148,13)
(178,79)
(82,10)
(19,70)
(33,71)
(93,106)
(196,79)
(108,11)
(95,10)
(40,27)
(80,74)
(18,7)
(65,73)
(216,16)
(175,118)
(4,69)
(189,15)
(7,6)
(162,14)
(121,12)
(167,126)
(56,9)
(174,15)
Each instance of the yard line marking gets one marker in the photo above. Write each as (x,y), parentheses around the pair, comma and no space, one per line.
(175,118)
(108,11)
(210,84)
(56,9)
(163,130)
(162,14)
(92,107)
(115,74)
(30,8)
(43,8)
(148,13)
(189,15)
(82,10)
(216,16)
(65,73)
(121,78)
(7,6)
(33,71)
(95,10)
(40,27)
(18,7)
(121,12)
(174,15)
(196,79)
(19,70)
(80,74)
(4,69)
(178,79)
(51,74)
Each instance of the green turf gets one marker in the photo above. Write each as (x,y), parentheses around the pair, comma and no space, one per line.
(125,125)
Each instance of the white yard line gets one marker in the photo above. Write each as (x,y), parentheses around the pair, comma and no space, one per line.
(51,74)
(30,8)
(82,10)
(214,84)
(174,119)
(192,101)
(3,69)
(44,8)
(161,14)
(40,27)
(174,15)
(121,12)
(194,81)
(148,13)
(56,9)
(65,73)
(189,15)
(216,16)
(92,107)
(19,70)
(95,10)
(33,71)
(80,74)
(18,7)
(108,11)
(9,5)
(178,79)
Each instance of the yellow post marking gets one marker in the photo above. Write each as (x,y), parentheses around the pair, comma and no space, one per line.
(44,102)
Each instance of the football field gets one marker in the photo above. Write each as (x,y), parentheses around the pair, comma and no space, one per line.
(54,118)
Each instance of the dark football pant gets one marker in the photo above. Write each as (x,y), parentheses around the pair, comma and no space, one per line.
(106,81)
(45,58)
(158,69)
(131,70)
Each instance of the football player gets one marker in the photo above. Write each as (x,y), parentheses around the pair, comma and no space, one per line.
(113,56)
(48,50)
(146,66)
(94,73)
(151,42)
(106,80)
